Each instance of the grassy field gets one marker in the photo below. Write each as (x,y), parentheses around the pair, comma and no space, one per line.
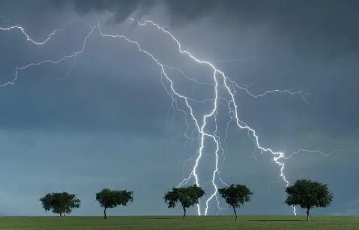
(176,223)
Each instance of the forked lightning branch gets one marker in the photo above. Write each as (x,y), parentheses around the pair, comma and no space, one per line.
(219,81)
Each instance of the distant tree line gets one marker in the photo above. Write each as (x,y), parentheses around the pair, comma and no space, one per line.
(306,194)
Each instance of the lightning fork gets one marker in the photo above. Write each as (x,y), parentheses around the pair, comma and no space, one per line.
(233,110)
(28,38)
(220,82)
(217,74)
(205,118)
(173,92)
(34,64)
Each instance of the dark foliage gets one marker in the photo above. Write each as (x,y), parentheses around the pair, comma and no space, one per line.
(60,203)
(308,194)
(235,195)
(112,198)
(186,196)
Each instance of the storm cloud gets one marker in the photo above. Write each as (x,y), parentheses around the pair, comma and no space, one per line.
(326,25)
(104,119)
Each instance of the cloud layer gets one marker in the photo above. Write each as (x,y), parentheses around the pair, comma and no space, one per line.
(328,25)
(110,123)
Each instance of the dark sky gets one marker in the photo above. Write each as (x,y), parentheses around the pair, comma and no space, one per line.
(108,122)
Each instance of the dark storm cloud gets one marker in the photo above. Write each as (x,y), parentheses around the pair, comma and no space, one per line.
(118,97)
(330,25)
(114,97)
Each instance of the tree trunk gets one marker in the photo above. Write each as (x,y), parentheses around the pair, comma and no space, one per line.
(235,212)
(104,213)
(184,211)
(308,209)
(60,214)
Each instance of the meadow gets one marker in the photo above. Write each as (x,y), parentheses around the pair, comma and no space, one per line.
(176,223)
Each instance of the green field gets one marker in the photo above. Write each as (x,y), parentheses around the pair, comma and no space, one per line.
(174,223)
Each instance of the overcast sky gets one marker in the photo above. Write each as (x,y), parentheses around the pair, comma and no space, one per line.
(103,118)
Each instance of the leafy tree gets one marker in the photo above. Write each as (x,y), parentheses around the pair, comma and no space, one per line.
(60,203)
(112,198)
(236,195)
(308,194)
(187,196)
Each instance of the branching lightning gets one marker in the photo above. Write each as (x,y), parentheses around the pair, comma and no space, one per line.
(28,38)
(220,81)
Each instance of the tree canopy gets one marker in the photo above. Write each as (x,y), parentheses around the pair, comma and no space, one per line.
(60,203)
(186,196)
(308,194)
(235,195)
(112,198)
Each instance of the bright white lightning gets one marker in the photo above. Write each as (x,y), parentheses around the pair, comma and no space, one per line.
(28,38)
(217,74)
(34,64)
(220,82)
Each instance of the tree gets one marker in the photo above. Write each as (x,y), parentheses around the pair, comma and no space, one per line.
(235,196)
(186,196)
(308,194)
(60,203)
(112,198)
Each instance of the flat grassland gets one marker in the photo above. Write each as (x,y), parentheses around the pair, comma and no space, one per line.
(176,223)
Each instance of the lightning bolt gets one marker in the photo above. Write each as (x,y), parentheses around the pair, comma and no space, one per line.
(28,38)
(218,75)
(220,82)
(34,64)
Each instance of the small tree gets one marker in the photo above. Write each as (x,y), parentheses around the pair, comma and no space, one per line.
(308,194)
(60,203)
(112,198)
(235,196)
(187,196)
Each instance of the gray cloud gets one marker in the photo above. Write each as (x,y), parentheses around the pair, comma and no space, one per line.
(326,25)
(106,124)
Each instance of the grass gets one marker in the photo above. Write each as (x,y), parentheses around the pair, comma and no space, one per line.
(177,223)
